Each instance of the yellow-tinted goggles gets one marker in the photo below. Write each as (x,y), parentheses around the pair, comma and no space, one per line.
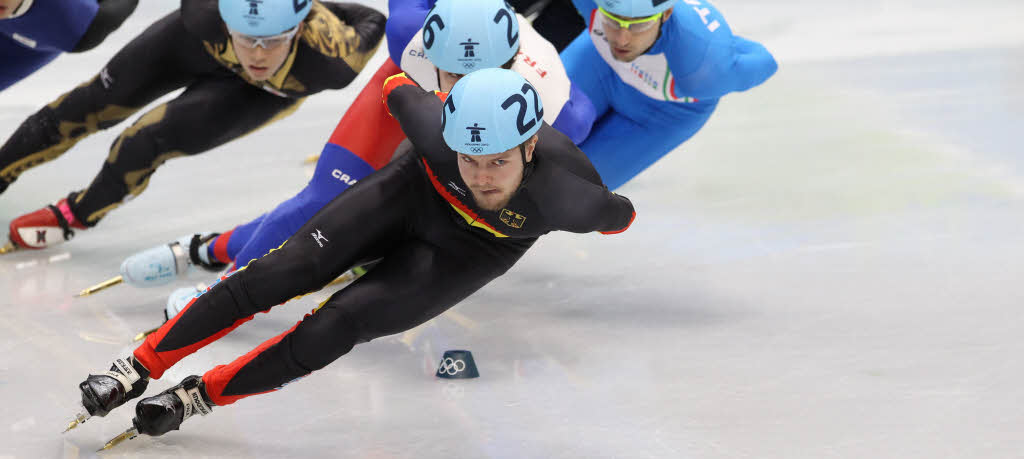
(634,25)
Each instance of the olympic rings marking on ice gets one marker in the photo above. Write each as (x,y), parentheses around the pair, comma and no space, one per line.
(452,391)
(448,365)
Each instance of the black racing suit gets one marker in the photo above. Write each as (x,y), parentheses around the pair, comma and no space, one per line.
(435,247)
(188,48)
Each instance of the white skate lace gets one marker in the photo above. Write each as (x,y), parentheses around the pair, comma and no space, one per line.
(193,402)
(127,374)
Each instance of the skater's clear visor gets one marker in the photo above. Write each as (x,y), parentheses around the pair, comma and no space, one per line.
(266,42)
(633,25)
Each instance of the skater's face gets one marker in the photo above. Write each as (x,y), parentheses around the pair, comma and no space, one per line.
(447,80)
(627,39)
(262,59)
(493,179)
(7,8)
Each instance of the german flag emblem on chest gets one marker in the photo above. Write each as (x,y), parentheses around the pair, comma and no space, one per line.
(512,219)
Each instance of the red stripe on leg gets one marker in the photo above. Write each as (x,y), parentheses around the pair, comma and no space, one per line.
(158,362)
(218,378)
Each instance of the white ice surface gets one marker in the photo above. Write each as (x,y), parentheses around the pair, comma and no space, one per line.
(830,269)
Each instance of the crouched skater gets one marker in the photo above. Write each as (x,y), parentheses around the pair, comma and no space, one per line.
(487,179)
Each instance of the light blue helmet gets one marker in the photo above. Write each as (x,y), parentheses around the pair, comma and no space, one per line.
(490,111)
(262,18)
(460,36)
(635,8)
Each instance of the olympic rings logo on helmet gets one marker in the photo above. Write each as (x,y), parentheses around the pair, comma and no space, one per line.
(451,367)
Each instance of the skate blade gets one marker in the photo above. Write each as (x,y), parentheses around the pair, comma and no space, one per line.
(101,286)
(347,277)
(127,435)
(143,335)
(79,420)
(8,248)
(311,159)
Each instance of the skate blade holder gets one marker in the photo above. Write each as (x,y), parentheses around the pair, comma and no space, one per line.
(101,286)
(8,248)
(126,435)
(80,419)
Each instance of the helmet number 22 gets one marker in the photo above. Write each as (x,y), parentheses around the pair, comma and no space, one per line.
(523,126)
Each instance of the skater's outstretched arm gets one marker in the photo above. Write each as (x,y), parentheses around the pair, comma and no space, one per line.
(404,22)
(367,22)
(707,60)
(110,16)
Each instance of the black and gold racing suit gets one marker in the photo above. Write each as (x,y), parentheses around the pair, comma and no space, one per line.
(417,216)
(190,49)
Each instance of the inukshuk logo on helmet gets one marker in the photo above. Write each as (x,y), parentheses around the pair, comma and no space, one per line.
(254,17)
(475,135)
(469,59)
(469,44)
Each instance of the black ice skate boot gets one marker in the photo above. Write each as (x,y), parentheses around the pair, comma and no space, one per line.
(101,393)
(166,411)
(126,380)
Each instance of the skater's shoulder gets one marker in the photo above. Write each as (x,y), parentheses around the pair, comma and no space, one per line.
(202,19)
(330,37)
(325,32)
(560,157)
